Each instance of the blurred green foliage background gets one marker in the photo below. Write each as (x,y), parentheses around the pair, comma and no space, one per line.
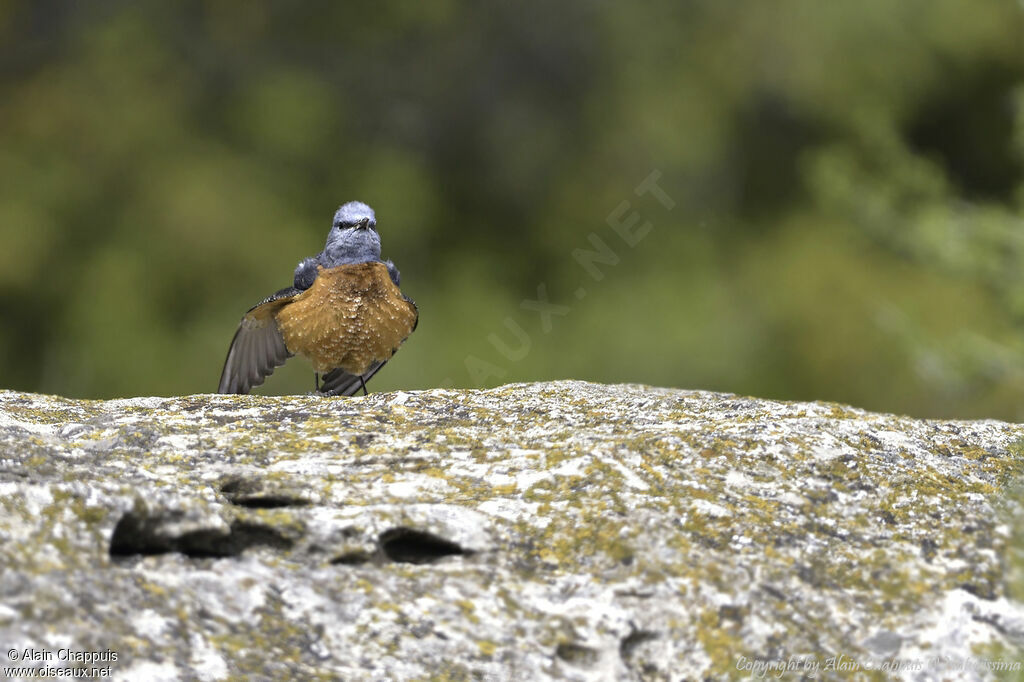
(847,179)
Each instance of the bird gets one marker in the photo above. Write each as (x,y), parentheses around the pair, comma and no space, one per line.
(344,312)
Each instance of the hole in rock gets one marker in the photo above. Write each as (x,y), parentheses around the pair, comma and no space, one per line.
(245,534)
(142,535)
(632,641)
(137,534)
(268,501)
(577,654)
(352,559)
(416,546)
(254,494)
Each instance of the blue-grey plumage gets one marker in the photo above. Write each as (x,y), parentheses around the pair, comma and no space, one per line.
(359,309)
(393,273)
(353,239)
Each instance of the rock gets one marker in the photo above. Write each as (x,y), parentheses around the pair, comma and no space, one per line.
(559,530)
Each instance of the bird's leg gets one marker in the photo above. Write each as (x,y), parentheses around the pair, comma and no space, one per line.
(363,383)
(316,381)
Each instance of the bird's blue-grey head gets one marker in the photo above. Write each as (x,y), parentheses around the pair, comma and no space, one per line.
(353,237)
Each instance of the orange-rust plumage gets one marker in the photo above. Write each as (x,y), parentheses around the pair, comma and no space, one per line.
(351,317)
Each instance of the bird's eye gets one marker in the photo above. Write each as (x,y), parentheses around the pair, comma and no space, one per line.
(355,224)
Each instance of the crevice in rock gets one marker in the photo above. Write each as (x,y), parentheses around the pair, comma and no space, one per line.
(137,534)
(141,535)
(245,534)
(202,544)
(982,590)
(352,559)
(577,654)
(254,495)
(929,548)
(630,642)
(363,440)
(774,592)
(268,501)
(1009,629)
(417,547)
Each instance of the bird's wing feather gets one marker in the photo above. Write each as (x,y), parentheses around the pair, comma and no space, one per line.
(415,311)
(340,382)
(257,348)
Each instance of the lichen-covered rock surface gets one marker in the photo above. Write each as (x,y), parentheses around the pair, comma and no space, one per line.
(560,530)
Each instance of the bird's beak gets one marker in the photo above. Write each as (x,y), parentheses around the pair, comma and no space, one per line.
(364,223)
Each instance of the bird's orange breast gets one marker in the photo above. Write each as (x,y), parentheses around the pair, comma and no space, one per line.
(351,317)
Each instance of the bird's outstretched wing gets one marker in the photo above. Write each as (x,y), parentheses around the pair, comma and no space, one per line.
(257,349)
(340,382)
